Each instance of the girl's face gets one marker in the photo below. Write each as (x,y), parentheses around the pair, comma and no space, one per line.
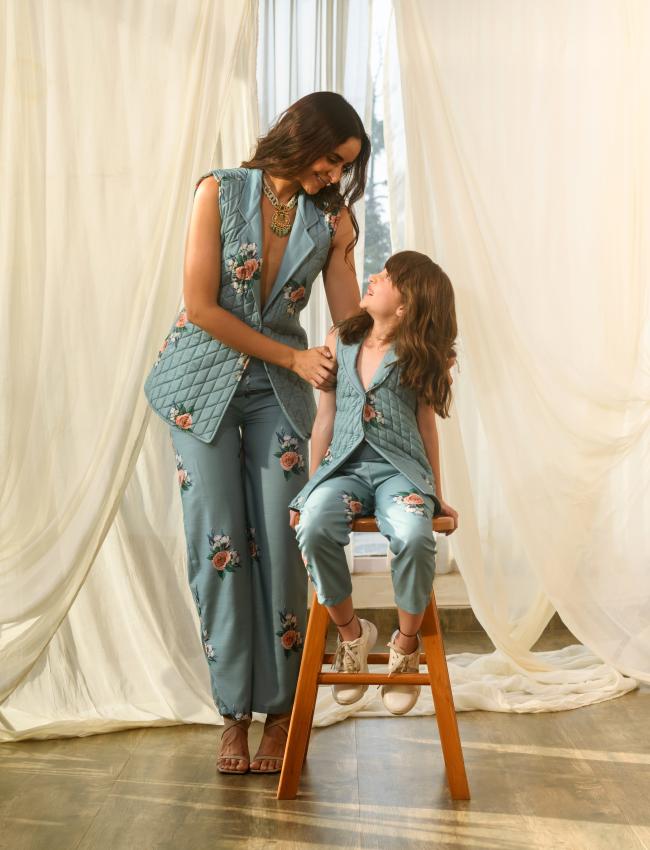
(329,168)
(382,299)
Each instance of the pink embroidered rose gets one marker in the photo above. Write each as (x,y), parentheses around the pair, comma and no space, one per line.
(252,548)
(247,271)
(184,420)
(220,560)
(182,320)
(297,294)
(355,507)
(182,476)
(305,560)
(369,412)
(164,346)
(413,499)
(288,638)
(289,460)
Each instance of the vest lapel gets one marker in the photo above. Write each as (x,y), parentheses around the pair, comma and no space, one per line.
(300,245)
(388,361)
(249,210)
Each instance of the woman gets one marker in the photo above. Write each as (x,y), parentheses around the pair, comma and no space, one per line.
(234,379)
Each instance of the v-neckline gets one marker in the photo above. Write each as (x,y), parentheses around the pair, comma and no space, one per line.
(375,373)
(286,245)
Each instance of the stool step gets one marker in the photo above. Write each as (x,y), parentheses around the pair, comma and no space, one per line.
(373,658)
(373,679)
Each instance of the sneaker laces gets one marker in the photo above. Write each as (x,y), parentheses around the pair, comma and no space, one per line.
(400,663)
(347,659)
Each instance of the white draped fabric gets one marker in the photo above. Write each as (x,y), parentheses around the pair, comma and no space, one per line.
(111,111)
(527,165)
(526,177)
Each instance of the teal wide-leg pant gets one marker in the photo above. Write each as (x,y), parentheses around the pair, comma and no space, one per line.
(367,484)
(245,569)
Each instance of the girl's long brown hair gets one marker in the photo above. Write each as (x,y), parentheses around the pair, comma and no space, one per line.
(311,128)
(424,338)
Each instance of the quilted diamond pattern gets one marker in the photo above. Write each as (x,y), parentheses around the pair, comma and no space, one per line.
(197,374)
(389,425)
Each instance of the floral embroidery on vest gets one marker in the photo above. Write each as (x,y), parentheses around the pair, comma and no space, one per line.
(290,458)
(293,292)
(327,457)
(181,416)
(180,327)
(290,637)
(371,415)
(412,501)
(332,219)
(244,268)
(184,478)
(224,558)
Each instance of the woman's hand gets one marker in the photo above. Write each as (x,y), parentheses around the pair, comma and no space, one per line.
(316,366)
(447,510)
(294,518)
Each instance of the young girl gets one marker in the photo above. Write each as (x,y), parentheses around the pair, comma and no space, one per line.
(374,449)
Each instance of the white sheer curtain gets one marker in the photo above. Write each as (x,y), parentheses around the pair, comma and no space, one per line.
(110,113)
(315,45)
(527,134)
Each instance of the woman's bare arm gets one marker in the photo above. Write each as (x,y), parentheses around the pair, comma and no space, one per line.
(321,435)
(201,281)
(339,277)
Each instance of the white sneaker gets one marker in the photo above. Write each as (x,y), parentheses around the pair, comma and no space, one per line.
(400,699)
(352,657)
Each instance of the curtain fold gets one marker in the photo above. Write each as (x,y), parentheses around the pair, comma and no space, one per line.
(110,113)
(527,179)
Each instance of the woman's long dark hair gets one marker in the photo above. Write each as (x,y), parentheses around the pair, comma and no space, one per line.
(424,339)
(311,128)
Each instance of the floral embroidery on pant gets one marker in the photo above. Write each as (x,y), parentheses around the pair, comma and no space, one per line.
(244,268)
(224,558)
(184,477)
(207,647)
(293,292)
(355,506)
(412,501)
(181,416)
(253,548)
(290,637)
(291,460)
(372,416)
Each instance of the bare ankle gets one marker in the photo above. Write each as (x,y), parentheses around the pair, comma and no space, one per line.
(351,630)
(407,643)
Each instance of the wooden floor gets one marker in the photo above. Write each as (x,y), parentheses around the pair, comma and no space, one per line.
(578,780)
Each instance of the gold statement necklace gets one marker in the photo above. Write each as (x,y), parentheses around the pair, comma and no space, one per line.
(280,222)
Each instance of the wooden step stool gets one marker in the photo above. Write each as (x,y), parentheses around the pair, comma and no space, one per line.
(311,676)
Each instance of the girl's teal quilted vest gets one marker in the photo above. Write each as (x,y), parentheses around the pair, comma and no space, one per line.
(195,376)
(384,415)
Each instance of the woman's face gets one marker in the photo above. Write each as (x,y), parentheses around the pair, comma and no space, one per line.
(329,168)
(381,298)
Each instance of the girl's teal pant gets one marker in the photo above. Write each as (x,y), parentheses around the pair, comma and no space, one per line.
(367,484)
(245,569)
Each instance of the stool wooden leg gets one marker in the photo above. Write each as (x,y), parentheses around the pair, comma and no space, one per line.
(304,702)
(452,752)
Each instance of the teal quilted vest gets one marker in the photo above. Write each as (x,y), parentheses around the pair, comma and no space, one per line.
(195,376)
(384,415)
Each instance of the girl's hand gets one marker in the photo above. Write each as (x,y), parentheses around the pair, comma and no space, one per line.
(447,510)
(316,366)
(294,518)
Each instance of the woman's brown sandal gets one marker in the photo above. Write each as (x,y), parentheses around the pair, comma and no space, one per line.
(230,723)
(282,720)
